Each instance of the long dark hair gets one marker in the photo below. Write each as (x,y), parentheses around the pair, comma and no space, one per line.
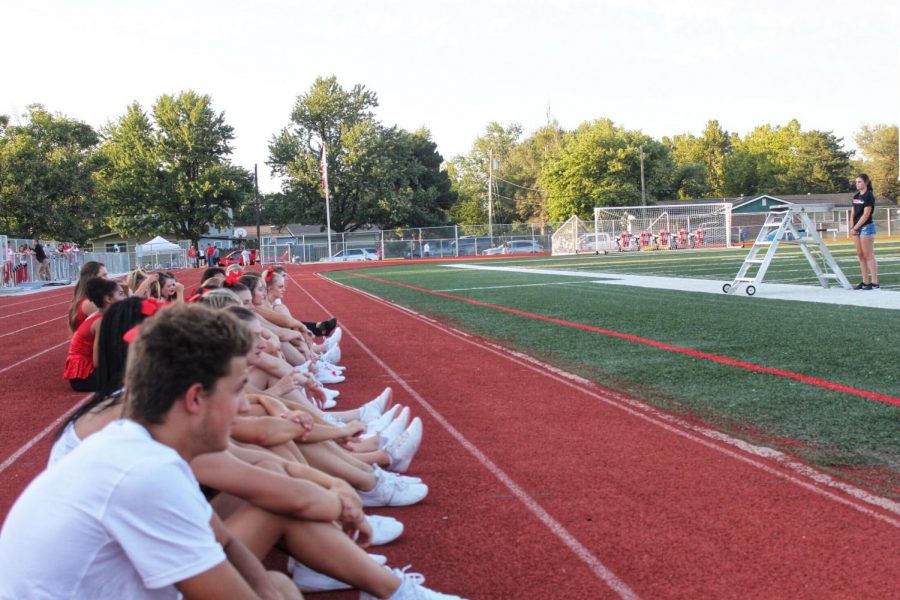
(88,270)
(113,352)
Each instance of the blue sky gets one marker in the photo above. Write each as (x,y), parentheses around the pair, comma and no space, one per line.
(663,67)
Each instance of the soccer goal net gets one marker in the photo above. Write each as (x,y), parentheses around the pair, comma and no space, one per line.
(666,226)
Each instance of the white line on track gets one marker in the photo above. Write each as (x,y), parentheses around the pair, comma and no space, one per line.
(598,568)
(802,475)
(28,445)
(43,307)
(500,287)
(25,360)
(30,326)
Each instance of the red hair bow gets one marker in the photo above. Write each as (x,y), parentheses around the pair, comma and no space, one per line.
(233,277)
(131,334)
(268,275)
(149,306)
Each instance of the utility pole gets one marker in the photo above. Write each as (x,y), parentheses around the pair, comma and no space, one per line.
(643,191)
(256,185)
(490,192)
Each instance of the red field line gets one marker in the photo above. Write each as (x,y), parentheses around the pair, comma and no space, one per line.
(814,381)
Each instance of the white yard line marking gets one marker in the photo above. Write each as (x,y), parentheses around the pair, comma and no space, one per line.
(30,326)
(30,443)
(779,291)
(501,287)
(801,472)
(585,555)
(25,360)
(44,307)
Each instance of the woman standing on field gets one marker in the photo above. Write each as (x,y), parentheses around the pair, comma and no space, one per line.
(862,229)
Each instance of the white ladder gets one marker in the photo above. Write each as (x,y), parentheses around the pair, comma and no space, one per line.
(780,221)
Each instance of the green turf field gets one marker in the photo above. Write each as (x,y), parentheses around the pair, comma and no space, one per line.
(849,345)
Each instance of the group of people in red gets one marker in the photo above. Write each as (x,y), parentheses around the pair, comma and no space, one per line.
(210,439)
(662,239)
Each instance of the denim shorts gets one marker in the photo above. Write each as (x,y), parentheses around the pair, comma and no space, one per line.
(867,230)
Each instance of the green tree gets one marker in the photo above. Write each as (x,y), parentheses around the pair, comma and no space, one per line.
(599,165)
(172,173)
(376,175)
(46,185)
(470,172)
(700,162)
(878,145)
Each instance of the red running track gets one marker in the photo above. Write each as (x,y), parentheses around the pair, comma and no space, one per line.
(544,485)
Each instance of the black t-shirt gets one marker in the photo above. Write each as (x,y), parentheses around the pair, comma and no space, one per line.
(860,202)
(39,253)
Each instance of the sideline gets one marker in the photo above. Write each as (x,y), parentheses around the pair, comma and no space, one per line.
(44,307)
(801,474)
(813,381)
(598,568)
(771,291)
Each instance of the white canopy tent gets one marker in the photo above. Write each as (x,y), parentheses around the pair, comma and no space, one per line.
(158,245)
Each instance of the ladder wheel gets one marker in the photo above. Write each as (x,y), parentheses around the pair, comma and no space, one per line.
(751,290)
(726,287)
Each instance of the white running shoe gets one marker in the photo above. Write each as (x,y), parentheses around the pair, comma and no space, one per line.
(332,355)
(377,426)
(393,431)
(328,377)
(334,339)
(402,450)
(393,491)
(312,581)
(373,409)
(328,404)
(384,529)
(406,478)
(411,588)
(331,394)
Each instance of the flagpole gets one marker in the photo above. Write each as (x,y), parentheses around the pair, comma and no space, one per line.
(327,199)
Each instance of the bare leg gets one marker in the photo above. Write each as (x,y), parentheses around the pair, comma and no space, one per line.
(863,259)
(325,459)
(284,585)
(868,245)
(319,545)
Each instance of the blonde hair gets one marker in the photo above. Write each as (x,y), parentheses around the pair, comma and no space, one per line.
(220,298)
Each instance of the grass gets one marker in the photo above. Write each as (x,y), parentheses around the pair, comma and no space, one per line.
(843,344)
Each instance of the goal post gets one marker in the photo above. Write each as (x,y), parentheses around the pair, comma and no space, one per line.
(667,226)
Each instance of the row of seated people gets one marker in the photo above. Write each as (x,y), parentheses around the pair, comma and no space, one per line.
(210,389)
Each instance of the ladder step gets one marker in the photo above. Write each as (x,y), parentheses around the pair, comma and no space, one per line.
(754,261)
(745,279)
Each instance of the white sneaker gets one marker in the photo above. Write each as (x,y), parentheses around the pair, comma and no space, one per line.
(329,403)
(375,427)
(381,559)
(324,364)
(332,355)
(312,581)
(402,450)
(327,377)
(334,339)
(411,588)
(331,394)
(384,529)
(373,409)
(407,478)
(393,491)
(393,431)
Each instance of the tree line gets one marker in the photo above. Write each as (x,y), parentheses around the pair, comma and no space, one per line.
(168,169)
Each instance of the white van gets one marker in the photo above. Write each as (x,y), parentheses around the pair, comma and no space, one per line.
(599,243)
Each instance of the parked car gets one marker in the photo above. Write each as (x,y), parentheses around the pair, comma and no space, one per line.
(232,258)
(470,245)
(601,243)
(353,255)
(515,247)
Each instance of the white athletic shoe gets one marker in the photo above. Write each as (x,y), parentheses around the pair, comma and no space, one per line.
(328,404)
(411,588)
(373,409)
(332,355)
(328,377)
(377,426)
(402,450)
(331,394)
(405,478)
(312,581)
(393,431)
(393,491)
(334,339)
(384,529)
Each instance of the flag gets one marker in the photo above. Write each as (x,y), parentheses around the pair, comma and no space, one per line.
(323,167)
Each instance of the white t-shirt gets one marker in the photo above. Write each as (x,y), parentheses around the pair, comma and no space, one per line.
(120,516)
(67,442)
